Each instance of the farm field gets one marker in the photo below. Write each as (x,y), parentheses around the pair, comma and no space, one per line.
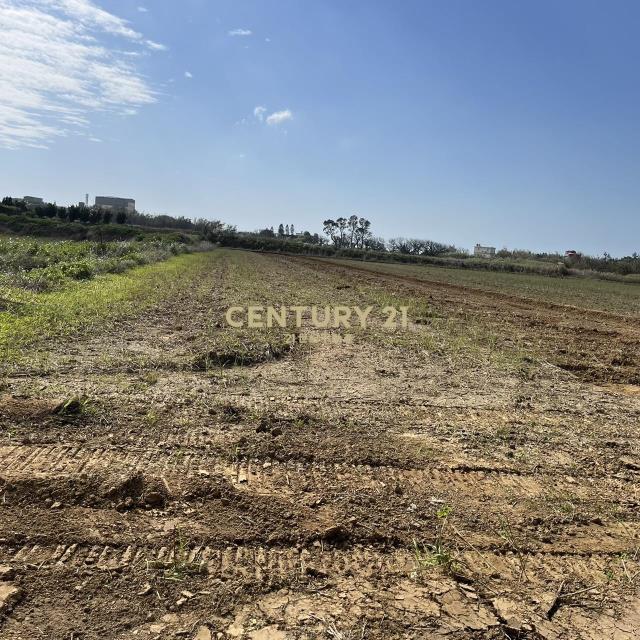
(620,297)
(473,475)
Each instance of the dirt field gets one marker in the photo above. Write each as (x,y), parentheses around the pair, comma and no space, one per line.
(473,476)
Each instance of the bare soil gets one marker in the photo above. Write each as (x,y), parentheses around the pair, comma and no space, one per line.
(475,476)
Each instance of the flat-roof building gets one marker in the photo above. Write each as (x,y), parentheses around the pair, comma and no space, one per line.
(32,200)
(484,252)
(116,204)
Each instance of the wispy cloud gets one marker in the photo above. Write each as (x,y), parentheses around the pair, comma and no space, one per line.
(240,32)
(156,46)
(56,69)
(279,117)
(274,119)
(188,74)
(143,9)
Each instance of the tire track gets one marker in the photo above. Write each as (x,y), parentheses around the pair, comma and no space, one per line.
(258,561)
(271,474)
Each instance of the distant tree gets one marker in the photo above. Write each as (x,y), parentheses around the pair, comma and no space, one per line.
(330,228)
(352,224)
(95,215)
(205,226)
(342,230)
(375,244)
(7,201)
(267,233)
(73,213)
(432,248)
(84,214)
(121,217)
(49,210)
(362,232)
(107,216)
(291,231)
(281,230)
(286,230)
(399,245)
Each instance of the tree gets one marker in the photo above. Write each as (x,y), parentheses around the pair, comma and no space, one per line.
(121,217)
(292,231)
(353,227)
(107,216)
(342,229)
(8,201)
(362,232)
(281,230)
(50,210)
(330,228)
(84,213)
(95,215)
(286,230)
(375,244)
(399,245)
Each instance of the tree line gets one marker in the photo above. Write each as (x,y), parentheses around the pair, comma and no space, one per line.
(73,213)
(96,215)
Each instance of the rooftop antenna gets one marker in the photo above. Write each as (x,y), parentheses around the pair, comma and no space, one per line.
(86,199)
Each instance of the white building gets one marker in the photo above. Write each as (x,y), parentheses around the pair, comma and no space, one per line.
(484,252)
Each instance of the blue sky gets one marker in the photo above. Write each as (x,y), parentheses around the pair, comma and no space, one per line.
(506,123)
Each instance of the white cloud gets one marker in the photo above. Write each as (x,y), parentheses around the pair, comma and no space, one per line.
(240,32)
(188,74)
(143,9)
(279,117)
(56,70)
(259,112)
(156,46)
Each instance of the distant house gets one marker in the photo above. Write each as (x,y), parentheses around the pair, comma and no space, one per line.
(484,252)
(571,255)
(116,204)
(32,201)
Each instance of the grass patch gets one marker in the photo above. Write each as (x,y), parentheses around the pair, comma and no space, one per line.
(89,305)
(244,349)
(29,264)
(437,554)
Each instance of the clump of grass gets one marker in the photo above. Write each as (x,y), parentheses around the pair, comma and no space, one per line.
(436,554)
(150,377)
(244,350)
(178,567)
(73,406)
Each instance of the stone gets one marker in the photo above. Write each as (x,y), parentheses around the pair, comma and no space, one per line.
(6,573)
(203,634)
(9,595)
(154,499)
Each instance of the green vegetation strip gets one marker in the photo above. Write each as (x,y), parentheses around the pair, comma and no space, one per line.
(586,293)
(84,305)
